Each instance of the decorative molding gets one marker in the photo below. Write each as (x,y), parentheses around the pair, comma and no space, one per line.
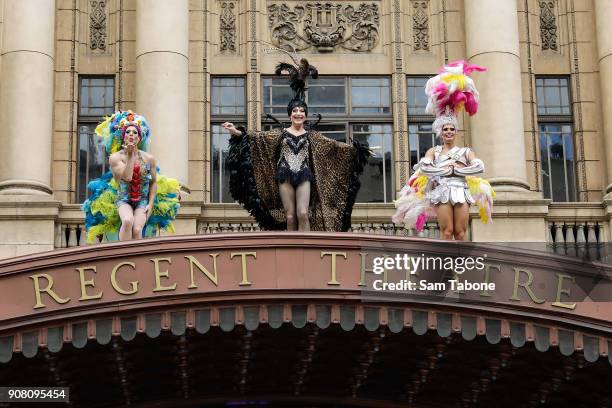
(97,25)
(548,25)
(420,25)
(227,20)
(324,26)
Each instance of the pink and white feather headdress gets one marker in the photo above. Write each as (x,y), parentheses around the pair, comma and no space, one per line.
(449,92)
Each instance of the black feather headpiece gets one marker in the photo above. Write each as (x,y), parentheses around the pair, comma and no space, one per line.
(297,81)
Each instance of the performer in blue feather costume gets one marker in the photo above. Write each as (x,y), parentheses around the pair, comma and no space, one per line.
(132,200)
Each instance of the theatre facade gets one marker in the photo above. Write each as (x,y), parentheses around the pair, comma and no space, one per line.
(222,314)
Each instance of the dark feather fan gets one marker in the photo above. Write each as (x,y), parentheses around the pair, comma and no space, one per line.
(297,76)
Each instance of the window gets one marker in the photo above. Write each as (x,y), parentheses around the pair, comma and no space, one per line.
(420,135)
(556,138)
(228,105)
(96,100)
(353,108)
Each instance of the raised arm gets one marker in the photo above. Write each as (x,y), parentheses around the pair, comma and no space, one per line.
(122,170)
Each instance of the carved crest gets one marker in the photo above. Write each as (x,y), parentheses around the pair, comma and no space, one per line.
(324,26)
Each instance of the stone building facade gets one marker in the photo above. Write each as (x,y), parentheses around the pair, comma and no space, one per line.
(544,127)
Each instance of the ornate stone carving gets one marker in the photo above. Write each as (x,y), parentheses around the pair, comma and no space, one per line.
(548,25)
(97,25)
(228,26)
(420,25)
(324,26)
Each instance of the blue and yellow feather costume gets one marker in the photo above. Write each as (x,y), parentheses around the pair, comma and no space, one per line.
(100,208)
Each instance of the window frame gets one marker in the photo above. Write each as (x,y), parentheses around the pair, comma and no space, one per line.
(560,120)
(216,119)
(89,121)
(348,119)
(417,119)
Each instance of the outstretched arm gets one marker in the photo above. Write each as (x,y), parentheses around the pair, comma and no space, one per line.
(232,129)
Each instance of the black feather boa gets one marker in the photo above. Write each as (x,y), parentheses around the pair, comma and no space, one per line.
(361,159)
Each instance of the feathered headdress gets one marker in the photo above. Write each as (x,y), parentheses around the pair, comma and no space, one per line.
(298,74)
(112,128)
(450,91)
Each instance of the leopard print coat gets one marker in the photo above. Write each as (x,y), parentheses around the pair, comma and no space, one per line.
(335,166)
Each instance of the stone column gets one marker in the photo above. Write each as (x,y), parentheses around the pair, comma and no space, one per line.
(492,41)
(162,75)
(497,130)
(26,97)
(603,14)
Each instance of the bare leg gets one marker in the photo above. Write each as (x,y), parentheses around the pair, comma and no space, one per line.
(140,218)
(461,218)
(127,221)
(445,220)
(303,202)
(287,193)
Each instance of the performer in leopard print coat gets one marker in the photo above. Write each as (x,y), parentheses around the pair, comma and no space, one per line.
(295,178)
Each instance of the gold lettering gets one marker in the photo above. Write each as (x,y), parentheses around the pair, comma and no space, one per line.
(115,284)
(526,285)
(212,276)
(449,274)
(48,289)
(243,255)
(487,278)
(564,291)
(159,274)
(333,280)
(85,283)
(362,281)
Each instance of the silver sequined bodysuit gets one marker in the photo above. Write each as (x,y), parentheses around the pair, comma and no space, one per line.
(293,164)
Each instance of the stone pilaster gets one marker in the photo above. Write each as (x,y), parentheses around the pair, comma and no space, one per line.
(492,41)
(162,80)
(603,14)
(26,97)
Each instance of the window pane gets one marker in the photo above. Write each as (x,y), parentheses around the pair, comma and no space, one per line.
(336,131)
(96,100)
(326,95)
(220,169)
(377,177)
(227,95)
(370,95)
(93,161)
(417,100)
(558,163)
(545,167)
(422,139)
(96,96)
(553,96)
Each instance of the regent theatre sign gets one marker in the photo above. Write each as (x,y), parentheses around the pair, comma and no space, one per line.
(271,266)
